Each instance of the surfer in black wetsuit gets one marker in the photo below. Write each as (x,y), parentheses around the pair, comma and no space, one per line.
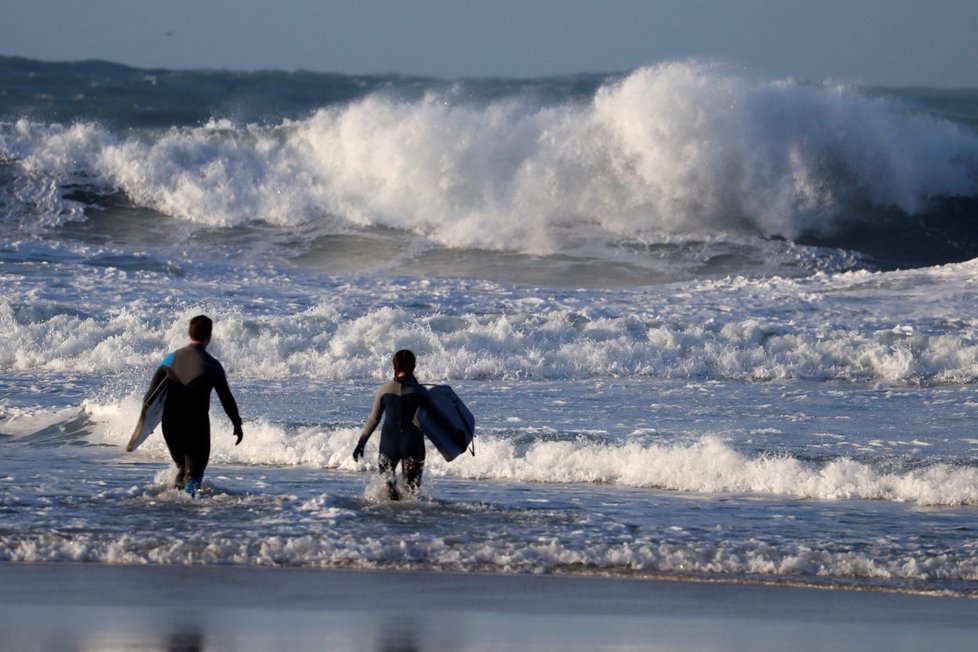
(400,439)
(191,374)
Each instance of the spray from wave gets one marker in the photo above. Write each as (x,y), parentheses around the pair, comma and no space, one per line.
(682,148)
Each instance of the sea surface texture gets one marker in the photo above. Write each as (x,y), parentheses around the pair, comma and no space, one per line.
(711,325)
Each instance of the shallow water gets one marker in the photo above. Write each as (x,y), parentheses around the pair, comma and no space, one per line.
(636,478)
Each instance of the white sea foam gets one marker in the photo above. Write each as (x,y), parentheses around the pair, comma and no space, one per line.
(826,327)
(677,148)
(331,547)
(712,466)
(708,465)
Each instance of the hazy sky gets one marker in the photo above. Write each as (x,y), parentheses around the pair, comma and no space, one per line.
(886,42)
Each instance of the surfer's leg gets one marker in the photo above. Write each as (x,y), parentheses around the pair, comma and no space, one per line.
(386,466)
(195,459)
(412,468)
(175,445)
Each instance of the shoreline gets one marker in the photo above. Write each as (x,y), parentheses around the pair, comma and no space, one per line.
(45,605)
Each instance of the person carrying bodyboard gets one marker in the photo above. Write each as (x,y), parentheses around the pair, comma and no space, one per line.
(401,402)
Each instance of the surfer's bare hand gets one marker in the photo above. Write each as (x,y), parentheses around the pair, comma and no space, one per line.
(239,433)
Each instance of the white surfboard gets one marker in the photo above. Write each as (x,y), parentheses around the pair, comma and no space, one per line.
(451,439)
(149,417)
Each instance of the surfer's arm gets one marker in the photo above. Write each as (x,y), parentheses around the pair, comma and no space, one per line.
(370,426)
(375,414)
(227,399)
(229,404)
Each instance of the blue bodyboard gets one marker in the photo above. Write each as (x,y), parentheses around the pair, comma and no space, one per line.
(452,434)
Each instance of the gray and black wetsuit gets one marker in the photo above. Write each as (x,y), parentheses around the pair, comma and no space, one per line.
(191,374)
(400,439)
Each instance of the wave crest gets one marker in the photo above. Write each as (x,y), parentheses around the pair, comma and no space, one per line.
(678,148)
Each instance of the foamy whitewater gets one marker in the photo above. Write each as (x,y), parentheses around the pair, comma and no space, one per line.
(711,326)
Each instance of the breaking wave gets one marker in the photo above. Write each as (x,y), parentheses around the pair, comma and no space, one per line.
(679,148)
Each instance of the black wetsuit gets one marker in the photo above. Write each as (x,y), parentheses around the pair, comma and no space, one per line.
(400,439)
(191,374)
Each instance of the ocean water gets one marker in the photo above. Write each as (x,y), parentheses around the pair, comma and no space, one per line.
(711,326)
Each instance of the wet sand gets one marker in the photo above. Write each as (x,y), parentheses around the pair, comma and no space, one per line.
(212,608)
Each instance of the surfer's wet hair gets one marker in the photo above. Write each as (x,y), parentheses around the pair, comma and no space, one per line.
(404,361)
(200,328)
